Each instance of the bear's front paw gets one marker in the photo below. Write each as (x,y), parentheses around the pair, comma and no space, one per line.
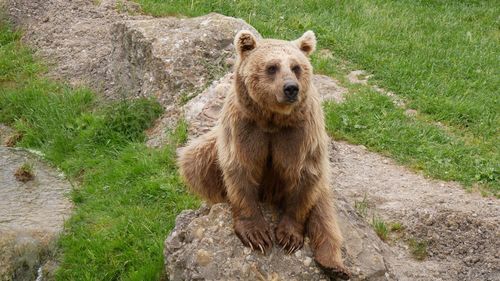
(290,235)
(254,233)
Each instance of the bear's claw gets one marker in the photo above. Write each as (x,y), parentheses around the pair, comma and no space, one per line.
(254,234)
(290,235)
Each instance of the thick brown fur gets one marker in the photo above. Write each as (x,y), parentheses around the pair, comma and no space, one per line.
(265,148)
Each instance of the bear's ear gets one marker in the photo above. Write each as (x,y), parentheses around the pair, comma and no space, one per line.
(244,42)
(306,43)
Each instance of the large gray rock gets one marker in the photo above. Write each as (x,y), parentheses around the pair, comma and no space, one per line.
(203,246)
(31,214)
(170,57)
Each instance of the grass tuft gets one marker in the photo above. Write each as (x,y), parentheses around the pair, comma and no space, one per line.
(380,228)
(361,207)
(396,227)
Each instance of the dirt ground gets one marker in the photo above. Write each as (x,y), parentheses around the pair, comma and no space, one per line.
(73,35)
(461,229)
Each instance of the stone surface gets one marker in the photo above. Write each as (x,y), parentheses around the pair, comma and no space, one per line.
(170,58)
(31,214)
(329,89)
(203,246)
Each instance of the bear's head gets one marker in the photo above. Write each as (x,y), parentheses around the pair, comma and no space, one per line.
(275,74)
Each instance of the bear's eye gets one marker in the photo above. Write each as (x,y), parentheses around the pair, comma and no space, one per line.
(272,69)
(296,69)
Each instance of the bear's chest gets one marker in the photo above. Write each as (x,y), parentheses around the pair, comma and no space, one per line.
(287,150)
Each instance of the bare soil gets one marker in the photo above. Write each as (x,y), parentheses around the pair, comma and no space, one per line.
(72,36)
(461,229)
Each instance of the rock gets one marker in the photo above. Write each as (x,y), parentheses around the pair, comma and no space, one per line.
(215,253)
(358,77)
(202,112)
(171,59)
(31,215)
(73,37)
(102,45)
(411,112)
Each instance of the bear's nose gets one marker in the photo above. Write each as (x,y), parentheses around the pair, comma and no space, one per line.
(291,89)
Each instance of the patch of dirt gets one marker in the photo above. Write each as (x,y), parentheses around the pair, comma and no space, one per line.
(461,229)
(13,139)
(5,133)
(73,36)
(361,77)
(461,236)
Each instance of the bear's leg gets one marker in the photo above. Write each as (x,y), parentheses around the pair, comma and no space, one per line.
(248,221)
(326,238)
(295,209)
(290,229)
(199,168)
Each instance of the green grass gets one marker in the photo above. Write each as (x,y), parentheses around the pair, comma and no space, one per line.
(396,227)
(127,195)
(380,228)
(440,56)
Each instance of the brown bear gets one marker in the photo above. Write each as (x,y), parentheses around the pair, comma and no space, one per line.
(270,146)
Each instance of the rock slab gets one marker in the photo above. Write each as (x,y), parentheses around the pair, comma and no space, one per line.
(170,57)
(32,214)
(203,246)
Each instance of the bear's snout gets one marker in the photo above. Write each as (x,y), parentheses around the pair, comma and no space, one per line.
(291,90)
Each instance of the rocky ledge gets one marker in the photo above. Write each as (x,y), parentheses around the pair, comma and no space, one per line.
(203,246)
